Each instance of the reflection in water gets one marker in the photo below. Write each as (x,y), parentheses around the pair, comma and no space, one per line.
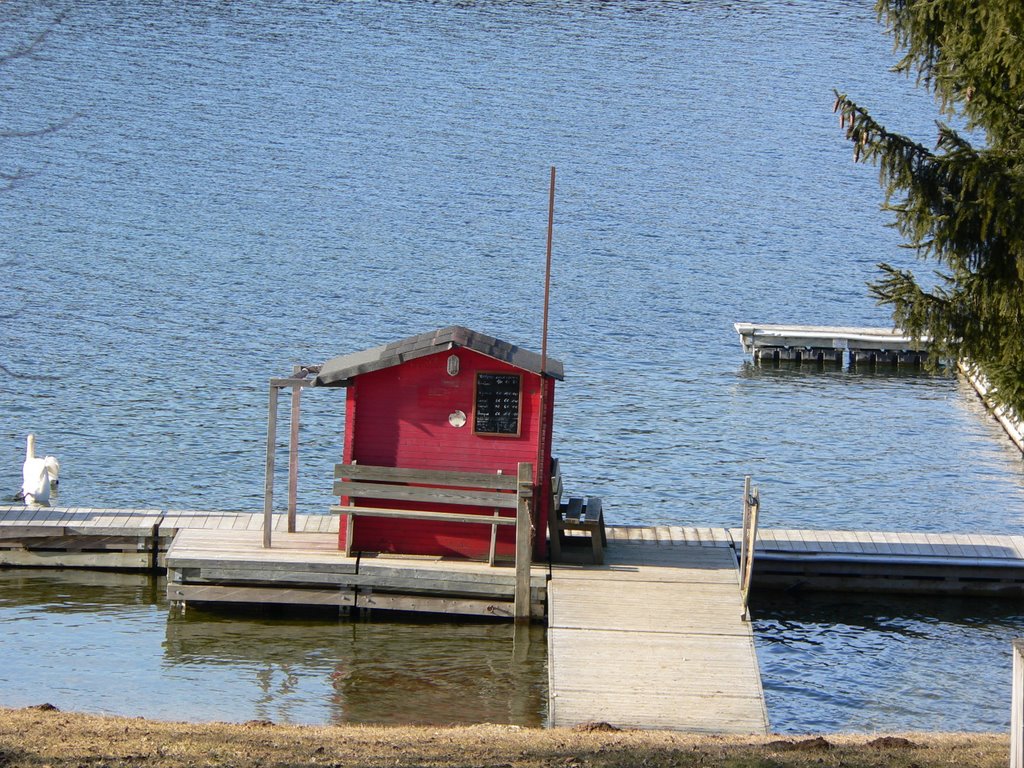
(379,670)
(106,643)
(830,664)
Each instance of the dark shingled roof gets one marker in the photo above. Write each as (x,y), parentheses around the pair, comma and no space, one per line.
(339,371)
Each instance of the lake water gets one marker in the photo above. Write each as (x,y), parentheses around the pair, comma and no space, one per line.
(241,188)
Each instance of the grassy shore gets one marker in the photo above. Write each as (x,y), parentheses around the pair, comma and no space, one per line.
(39,736)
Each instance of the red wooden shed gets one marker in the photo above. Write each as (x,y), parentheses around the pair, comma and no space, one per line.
(452,400)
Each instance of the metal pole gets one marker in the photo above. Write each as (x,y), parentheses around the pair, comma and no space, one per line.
(746,529)
(540,502)
(268,480)
(293,450)
(547,271)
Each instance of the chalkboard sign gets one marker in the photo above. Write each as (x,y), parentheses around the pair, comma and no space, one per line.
(496,404)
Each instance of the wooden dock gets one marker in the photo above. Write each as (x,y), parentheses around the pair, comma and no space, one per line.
(71,537)
(123,539)
(141,539)
(653,638)
(828,344)
(896,562)
(227,565)
(892,562)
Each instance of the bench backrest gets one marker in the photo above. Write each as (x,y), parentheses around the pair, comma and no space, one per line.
(479,489)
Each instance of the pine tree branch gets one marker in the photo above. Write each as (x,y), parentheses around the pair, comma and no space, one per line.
(961,203)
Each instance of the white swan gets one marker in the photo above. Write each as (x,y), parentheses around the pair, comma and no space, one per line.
(35,486)
(53,469)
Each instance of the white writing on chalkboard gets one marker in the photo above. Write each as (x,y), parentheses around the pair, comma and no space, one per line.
(496,406)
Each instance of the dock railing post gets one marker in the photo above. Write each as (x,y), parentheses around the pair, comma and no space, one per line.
(746,522)
(524,539)
(1017,707)
(751,508)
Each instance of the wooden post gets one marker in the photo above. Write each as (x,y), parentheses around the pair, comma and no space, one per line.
(491,553)
(524,540)
(293,450)
(746,523)
(554,514)
(1017,707)
(755,511)
(751,508)
(268,480)
(520,643)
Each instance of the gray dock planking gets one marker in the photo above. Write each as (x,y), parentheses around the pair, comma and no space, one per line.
(25,528)
(128,539)
(654,638)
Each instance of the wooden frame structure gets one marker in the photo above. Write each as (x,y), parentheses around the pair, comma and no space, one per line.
(298,381)
(748,543)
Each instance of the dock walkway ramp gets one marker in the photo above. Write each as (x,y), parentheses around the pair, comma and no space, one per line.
(654,638)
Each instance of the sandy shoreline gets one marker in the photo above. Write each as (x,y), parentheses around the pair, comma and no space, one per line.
(36,737)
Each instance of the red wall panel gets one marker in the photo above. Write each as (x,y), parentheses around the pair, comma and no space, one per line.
(398,417)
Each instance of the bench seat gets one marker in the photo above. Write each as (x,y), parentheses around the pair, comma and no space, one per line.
(588,516)
(400,493)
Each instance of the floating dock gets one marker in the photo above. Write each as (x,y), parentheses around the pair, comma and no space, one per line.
(892,562)
(225,565)
(122,539)
(653,638)
(829,344)
(145,539)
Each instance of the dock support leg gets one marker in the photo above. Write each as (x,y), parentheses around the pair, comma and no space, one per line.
(154,547)
(524,538)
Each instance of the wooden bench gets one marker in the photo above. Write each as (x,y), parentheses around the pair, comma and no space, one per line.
(580,515)
(397,487)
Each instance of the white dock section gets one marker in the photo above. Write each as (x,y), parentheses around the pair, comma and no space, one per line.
(775,335)
(654,638)
(811,343)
